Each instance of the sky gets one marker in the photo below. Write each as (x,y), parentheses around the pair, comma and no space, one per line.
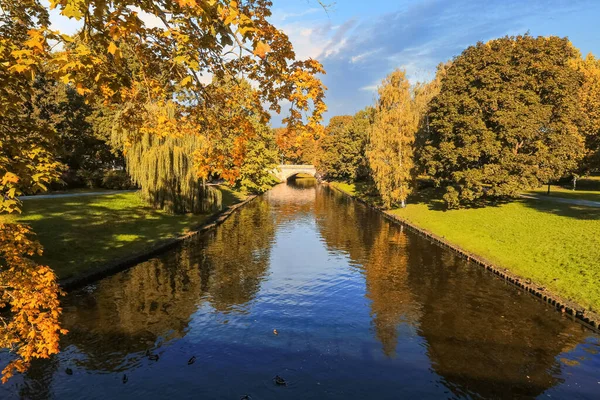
(359,42)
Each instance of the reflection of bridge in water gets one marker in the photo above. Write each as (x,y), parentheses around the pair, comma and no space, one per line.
(285,172)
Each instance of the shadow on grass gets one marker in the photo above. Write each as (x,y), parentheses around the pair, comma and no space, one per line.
(366,191)
(562,209)
(82,233)
(433,198)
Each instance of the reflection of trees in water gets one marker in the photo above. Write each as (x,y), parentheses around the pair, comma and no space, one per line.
(128,312)
(482,338)
(346,225)
(380,249)
(237,257)
(292,200)
(387,288)
(38,379)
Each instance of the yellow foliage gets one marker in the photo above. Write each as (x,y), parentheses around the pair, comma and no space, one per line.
(31,292)
(391,139)
(145,72)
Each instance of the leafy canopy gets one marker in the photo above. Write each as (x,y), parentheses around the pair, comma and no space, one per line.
(391,140)
(342,148)
(505,119)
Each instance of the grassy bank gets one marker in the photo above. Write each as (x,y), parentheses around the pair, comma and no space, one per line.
(80,233)
(554,244)
(588,188)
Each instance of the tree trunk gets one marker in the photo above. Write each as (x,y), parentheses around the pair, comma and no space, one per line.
(548,190)
(574,182)
(403,204)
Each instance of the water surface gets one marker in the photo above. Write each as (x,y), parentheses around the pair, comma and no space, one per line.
(362,308)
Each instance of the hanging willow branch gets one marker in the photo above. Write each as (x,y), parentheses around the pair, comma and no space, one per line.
(163,167)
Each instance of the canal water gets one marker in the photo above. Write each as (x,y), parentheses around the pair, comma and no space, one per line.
(321,291)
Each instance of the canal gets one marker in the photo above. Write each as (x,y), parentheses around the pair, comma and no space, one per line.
(307,285)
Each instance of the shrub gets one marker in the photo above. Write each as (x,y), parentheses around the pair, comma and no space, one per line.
(91,178)
(116,180)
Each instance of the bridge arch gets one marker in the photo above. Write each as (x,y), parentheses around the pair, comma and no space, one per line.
(285,172)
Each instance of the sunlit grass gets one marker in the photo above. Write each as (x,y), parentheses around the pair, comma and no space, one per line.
(588,188)
(79,233)
(559,191)
(556,245)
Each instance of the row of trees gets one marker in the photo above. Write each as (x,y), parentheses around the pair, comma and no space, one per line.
(162,92)
(509,115)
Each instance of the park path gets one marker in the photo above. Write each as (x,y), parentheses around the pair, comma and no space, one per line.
(586,203)
(63,195)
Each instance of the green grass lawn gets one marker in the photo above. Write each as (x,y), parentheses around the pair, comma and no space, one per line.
(559,191)
(588,188)
(556,245)
(79,233)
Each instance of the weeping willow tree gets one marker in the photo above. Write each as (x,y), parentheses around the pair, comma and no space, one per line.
(163,165)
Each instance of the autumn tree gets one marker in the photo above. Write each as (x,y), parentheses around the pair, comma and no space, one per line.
(589,100)
(289,144)
(28,292)
(162,79)
(143,70)
(309,148)
(342,153)
(505,119)
(261,157)
(391,140)
(172,170)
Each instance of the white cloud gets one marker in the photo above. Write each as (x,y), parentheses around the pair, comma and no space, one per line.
(370,88)
(304,39)
(363,56)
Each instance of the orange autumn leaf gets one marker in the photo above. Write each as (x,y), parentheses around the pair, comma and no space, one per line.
(112,48)
(262,49)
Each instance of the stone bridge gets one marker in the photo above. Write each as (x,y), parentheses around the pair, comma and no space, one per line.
(285,172)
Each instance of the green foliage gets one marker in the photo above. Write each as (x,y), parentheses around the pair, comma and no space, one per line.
(90,178)
(116,180)
(506,119)
(392,138)
(342,149)
(261,157)
(81,144)
(76,131)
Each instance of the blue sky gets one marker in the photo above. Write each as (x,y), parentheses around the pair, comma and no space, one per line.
(360,41)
